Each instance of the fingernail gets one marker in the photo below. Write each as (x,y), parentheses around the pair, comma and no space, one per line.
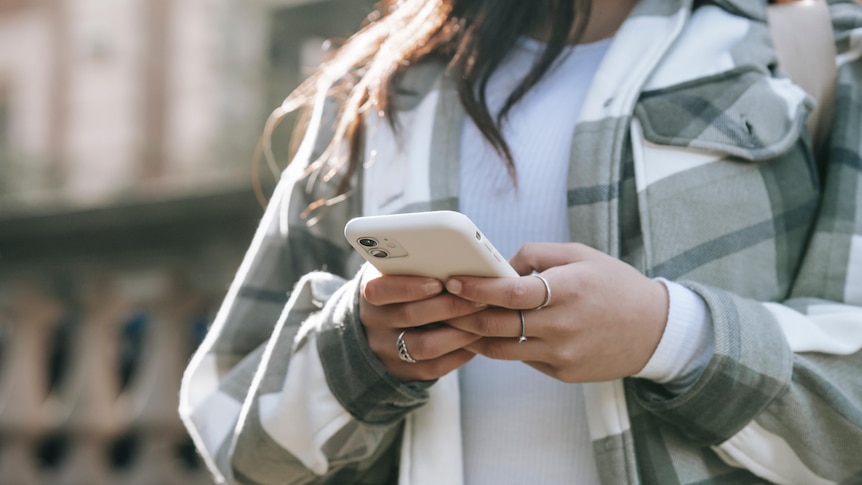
(453,286)
(432,287)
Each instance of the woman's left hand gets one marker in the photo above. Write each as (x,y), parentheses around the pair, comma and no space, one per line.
(604,321)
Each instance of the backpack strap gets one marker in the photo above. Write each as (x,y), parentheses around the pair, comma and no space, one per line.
(805,47)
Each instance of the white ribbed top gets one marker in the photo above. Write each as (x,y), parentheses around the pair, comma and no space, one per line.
(521,426)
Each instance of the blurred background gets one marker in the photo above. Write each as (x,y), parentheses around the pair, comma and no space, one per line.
(127,129)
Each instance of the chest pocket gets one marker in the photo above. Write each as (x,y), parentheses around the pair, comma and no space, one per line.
(727,188)
(740,113)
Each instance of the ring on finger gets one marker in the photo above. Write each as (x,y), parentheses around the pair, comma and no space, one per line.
(547,291)
(523,337)
(401,346)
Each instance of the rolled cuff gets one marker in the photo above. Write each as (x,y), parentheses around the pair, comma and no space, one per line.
(354,374)
(750,367)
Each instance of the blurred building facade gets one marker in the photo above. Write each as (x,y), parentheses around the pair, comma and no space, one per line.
(126,203)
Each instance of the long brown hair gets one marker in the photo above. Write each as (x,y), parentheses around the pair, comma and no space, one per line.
(471,36)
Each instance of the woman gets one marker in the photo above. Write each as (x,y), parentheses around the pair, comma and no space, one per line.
(697,315)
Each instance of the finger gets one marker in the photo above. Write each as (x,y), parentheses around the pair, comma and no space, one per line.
(436,350)
(507,348)
(424,344)
(430,369)
(388,289)
(417,313)
(526,292)
(493,322)
(543,256)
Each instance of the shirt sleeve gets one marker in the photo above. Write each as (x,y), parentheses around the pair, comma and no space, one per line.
(260,397)
(780,395)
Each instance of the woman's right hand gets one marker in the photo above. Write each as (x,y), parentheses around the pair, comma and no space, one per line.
(389,305)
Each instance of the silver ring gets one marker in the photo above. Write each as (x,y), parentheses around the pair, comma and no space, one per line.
(523,337)
(402,349)
(547,291)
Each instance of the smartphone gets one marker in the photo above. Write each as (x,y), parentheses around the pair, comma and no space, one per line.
(437,244)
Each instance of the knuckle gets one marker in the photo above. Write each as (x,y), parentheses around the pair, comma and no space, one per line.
(531,253)
(566,356)
(527,249)
(372,292)
(455,306)
(523,251)
(409,315)
(489,323)
(421,347)
(559,328)
(495,350)
(517,291)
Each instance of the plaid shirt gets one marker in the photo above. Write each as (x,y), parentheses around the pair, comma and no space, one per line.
(691,164)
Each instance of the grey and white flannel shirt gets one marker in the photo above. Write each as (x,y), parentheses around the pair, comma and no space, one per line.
(692,164)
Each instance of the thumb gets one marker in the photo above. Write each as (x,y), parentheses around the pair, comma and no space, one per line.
(542,256)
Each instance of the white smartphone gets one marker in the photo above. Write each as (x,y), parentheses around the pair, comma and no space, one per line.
(437,244)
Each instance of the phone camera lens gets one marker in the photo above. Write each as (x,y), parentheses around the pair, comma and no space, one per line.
(367,242)
(379,253)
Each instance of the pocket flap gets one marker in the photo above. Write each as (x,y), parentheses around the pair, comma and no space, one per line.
(741,112)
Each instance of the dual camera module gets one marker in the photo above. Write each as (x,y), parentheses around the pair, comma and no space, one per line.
(373,250)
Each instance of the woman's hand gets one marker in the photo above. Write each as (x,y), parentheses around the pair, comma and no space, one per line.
(391,304)
(604,320)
